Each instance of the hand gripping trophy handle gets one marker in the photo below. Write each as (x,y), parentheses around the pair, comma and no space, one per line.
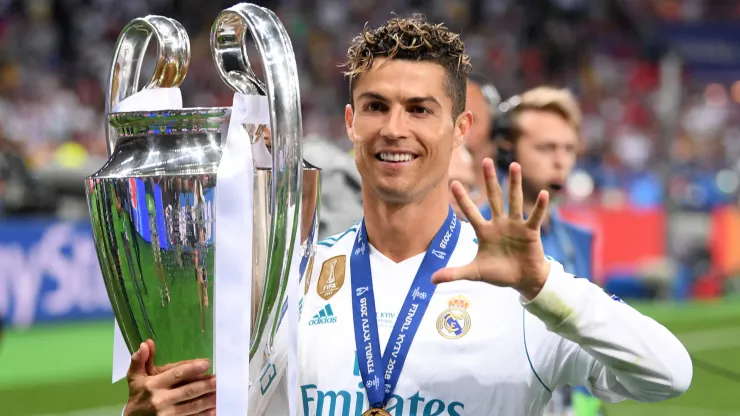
(173,60)
(286,179)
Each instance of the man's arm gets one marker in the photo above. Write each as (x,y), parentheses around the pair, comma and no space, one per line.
(608,346)
(278,405)
(273,385)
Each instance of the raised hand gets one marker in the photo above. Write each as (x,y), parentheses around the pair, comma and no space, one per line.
(510,252)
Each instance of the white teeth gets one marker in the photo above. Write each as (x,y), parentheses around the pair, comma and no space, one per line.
(396,157)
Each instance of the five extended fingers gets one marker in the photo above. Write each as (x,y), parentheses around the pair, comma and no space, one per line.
(496,198)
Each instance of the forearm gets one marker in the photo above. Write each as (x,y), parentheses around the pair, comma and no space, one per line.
(629,352)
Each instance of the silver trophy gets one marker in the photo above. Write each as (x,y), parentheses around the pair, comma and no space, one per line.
(151,204)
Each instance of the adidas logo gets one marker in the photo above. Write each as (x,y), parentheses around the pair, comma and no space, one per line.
(325,316)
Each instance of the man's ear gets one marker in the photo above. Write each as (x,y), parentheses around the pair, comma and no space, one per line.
(463,123)
(349,118)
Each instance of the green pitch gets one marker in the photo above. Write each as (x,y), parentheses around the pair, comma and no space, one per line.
(65,369)
(711,333)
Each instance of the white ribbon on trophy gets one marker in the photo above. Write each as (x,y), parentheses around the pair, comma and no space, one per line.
(233,236)
(233,288)
(149,99)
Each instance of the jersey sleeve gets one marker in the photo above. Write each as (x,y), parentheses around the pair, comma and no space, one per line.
(606,345)
(273,381)
(278,404)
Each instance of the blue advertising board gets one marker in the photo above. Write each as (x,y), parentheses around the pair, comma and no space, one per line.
(49,269)
(49,272)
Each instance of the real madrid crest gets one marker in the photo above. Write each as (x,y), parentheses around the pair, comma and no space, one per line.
(331,278)
(454,322)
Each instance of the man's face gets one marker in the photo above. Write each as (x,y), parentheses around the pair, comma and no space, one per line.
(479,140)
(546,151)
(402,128)
(461,170)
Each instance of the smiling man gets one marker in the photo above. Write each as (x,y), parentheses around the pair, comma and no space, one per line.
(412,312)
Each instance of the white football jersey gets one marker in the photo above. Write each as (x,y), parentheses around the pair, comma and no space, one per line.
(480,349)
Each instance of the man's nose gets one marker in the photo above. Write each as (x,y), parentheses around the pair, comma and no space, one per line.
(396,124)
(560,159)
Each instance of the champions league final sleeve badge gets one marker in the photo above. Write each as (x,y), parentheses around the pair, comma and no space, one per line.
(454,322)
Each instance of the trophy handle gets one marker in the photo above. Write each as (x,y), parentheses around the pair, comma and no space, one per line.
(228,46)
(173,60)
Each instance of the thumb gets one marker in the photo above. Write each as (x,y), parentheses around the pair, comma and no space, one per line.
(138,361)
(149,365)
(451,274)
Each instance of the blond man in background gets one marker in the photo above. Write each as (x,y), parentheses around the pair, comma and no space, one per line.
(540,130)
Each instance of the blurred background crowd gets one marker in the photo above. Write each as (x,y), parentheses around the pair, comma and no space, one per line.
(658,178)
(55,54)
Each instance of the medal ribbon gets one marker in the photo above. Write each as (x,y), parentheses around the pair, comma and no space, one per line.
(380,386)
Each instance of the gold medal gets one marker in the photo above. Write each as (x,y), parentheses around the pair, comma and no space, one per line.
(376,412)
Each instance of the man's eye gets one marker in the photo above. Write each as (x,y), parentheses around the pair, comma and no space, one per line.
(546,148)
(374,107)
(420,110)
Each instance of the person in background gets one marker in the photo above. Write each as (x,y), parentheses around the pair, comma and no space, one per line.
(540,130)
(482,100)
(20,191)
(461,170)
(341,199)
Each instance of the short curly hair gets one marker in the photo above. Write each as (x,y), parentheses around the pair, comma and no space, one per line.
(415,39)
